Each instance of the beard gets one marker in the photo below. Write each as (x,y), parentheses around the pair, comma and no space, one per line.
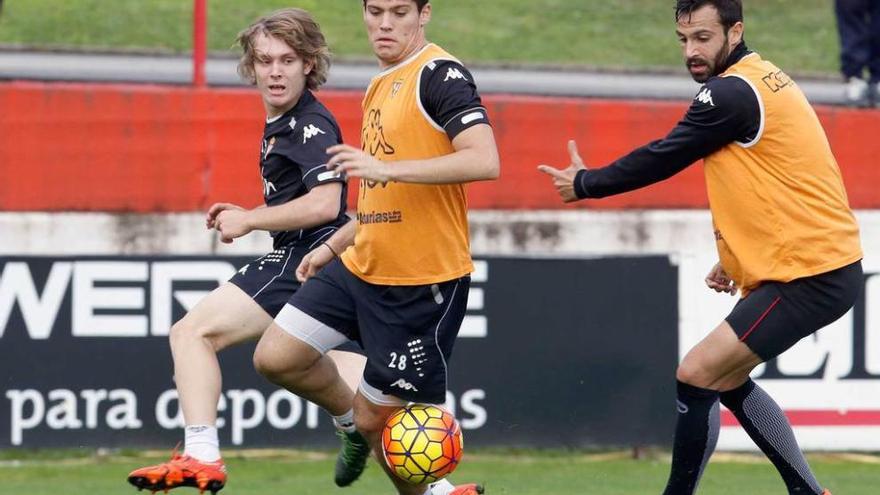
(706,69)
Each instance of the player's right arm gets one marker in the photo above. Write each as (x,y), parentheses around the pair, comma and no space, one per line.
(449,98)
(321,204)
(216,209)
(326,251)
(318,206)
(726,110)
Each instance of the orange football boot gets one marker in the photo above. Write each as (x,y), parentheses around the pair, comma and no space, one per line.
(468,489)
(181,470)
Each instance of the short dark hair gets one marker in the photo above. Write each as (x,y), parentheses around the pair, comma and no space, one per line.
(419,3)
(730,11)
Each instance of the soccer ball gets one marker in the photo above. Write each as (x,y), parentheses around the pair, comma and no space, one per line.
(422,443)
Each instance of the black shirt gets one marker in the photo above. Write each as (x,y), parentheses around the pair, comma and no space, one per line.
(725,110)
(293,160)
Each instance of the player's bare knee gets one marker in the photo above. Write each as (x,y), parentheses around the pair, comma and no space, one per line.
(690,371)
(183,334)
(180,334)
(269,365)
(276,367)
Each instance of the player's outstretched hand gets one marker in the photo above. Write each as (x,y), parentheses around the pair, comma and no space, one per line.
(314,261)
(232,224)
(357,163)
(216,209)
(563,180)
(719,281)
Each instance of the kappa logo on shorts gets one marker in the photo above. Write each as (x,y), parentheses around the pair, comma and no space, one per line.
(405,385)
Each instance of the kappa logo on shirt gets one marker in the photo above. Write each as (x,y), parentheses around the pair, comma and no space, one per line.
(311,131)
(454,73)
(705,96)
(373,135)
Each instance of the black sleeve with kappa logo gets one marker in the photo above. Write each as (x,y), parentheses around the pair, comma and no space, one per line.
(725,110)
(312,135)
(450,98)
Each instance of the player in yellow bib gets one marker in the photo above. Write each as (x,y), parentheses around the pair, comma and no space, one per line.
(786,236)
(400,283)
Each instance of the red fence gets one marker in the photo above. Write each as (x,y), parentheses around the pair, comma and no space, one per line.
(140,148)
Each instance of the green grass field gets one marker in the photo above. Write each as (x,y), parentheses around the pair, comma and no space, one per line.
(799,35)
(514,473)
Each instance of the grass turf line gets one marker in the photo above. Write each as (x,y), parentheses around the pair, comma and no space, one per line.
(265,472)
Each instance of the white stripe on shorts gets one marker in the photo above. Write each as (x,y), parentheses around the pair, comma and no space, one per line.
(280,271)
(311,331)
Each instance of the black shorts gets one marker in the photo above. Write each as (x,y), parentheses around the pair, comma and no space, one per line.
(407,332)
(270,280)
(776,315)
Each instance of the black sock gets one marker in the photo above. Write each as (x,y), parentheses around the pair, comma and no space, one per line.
(696,434)
(765,422)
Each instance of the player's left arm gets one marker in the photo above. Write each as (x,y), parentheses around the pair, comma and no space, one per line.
(450,100)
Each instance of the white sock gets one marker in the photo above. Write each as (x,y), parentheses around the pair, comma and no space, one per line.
(441,487)
(345,422)
(200,442)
